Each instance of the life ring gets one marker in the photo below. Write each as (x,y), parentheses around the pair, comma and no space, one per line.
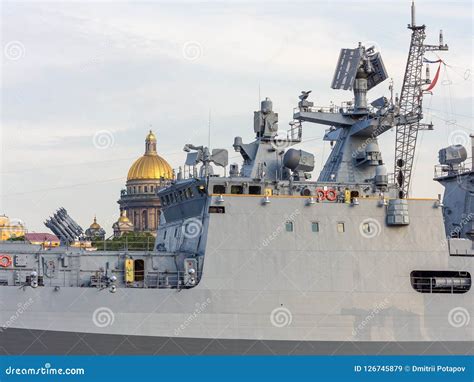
(5,261)
(331,195)
(320,194)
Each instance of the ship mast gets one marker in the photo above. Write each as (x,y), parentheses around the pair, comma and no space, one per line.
(411,104)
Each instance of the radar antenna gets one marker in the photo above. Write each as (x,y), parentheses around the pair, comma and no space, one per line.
(411,105)
(359,70)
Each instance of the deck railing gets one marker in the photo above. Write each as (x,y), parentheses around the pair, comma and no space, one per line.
(90,279)
(431,285)
(441,170)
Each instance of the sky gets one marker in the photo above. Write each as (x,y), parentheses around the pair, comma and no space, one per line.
(83,82)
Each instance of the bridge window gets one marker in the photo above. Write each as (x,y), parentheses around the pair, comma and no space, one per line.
(236,189)
(289,226)
(218,189)
(315,226)
(255,190)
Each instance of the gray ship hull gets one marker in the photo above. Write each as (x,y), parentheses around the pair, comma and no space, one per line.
(38,342)
(336,291)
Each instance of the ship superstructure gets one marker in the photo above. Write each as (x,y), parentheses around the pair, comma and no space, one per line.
(265,259)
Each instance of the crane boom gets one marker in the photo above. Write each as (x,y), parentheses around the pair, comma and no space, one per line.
(411,105)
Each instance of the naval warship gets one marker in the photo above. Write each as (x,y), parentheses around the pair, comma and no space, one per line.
(265,260)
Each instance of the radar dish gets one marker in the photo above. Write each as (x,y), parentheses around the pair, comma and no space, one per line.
(220,157)
(379,73)
(346,69)
(192,159)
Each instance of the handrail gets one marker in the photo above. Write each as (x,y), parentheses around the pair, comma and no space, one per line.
(344,108)
(441,170)
(150,279)
(428,284)
(135,245)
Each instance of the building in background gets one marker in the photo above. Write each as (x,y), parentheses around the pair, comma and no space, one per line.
(95,231)
(122,225)
(147,174)
(42,238)
(11,229)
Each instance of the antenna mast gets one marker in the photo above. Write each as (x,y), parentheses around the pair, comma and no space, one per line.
(411,105)
(209,130)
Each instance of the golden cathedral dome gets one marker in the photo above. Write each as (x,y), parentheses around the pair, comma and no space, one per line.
(123,217)
(95,225)
(150,136)
(150,165)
